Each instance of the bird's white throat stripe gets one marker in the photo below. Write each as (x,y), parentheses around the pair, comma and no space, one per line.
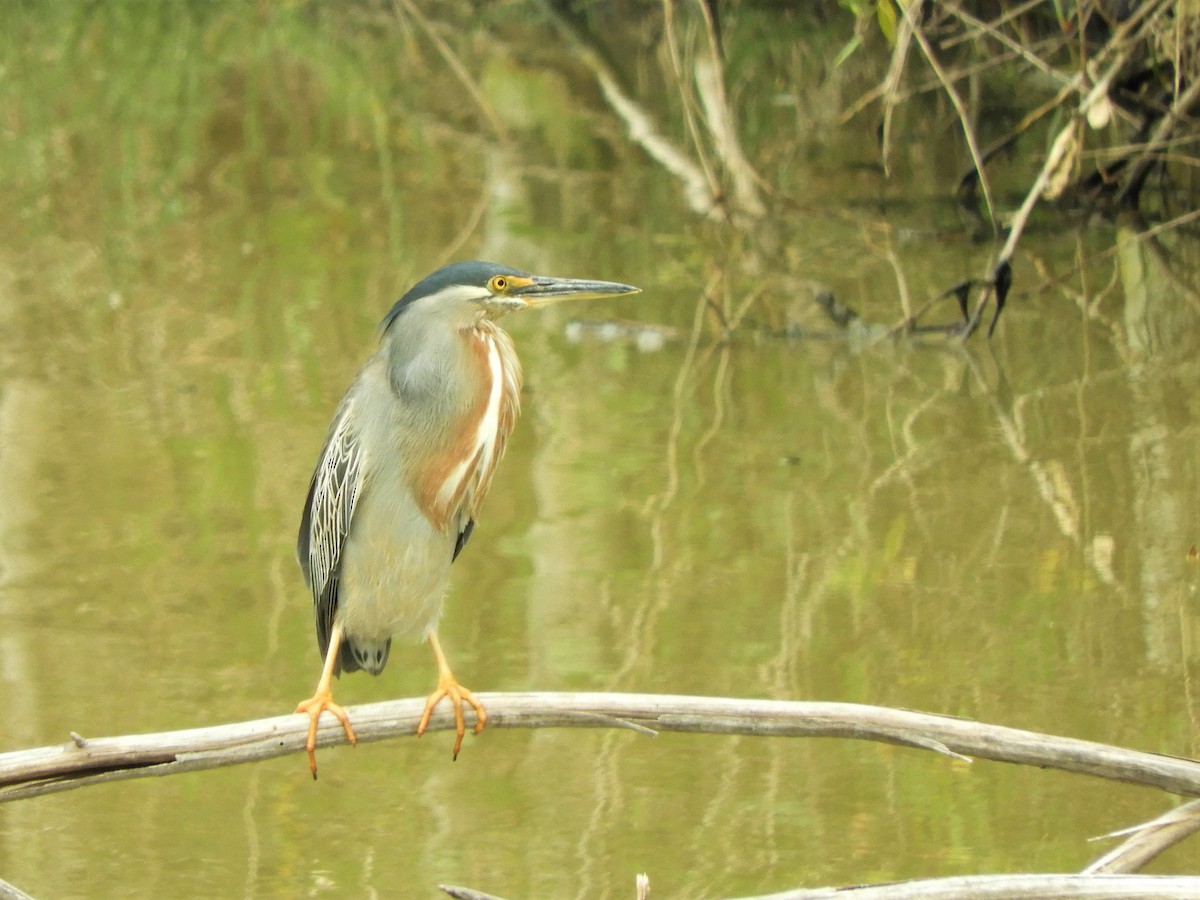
(481,457)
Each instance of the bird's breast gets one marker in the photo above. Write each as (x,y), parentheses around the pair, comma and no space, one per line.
(456,475)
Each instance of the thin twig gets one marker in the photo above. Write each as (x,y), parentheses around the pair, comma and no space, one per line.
(456,66)
(1161,135)
(960,108)
(687,100)
(891,82)
(991,30)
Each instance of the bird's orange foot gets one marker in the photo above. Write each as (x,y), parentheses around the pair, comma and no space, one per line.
(448,686)
(318,703)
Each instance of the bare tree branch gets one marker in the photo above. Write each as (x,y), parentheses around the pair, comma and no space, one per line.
(1013,887)
(1148,840)
(9,892)
(464,893)
(29,773)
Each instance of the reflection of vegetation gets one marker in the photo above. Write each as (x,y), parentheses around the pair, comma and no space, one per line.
(177,107)
(167,100)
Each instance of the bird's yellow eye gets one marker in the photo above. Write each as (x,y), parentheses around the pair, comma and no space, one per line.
(498,284)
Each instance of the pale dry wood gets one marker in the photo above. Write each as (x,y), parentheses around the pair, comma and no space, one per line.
(1012,887)
(29,773)
(464,893)
(9,892)
(979,887)
(1148,840)
(710,88)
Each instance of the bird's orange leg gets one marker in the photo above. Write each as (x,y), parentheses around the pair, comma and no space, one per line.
(448,686)
(322,700)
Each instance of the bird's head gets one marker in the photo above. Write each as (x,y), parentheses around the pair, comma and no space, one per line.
(464,291)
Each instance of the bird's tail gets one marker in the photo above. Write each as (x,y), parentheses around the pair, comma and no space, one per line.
(370,656)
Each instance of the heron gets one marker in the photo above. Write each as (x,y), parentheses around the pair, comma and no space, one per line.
(406,464)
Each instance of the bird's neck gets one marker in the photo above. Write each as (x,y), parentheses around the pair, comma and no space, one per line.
(486,376)
(487,334)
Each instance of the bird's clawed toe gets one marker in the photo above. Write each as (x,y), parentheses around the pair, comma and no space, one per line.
(322,701)
(449,687)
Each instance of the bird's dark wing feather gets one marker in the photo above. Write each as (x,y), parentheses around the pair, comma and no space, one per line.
(463,536)
(334,489)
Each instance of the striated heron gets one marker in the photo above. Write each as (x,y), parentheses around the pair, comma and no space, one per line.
(409,457)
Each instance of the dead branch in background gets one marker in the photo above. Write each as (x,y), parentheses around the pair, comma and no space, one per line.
(1148,840)
(960,108)
(994,887)
(1125,48)
(698,189)
(1093,57)
(1108,878)
(1150,154)
(1011,887)
(704,101)
(709,81)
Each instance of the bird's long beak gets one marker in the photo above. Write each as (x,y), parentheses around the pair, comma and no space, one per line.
(542,291)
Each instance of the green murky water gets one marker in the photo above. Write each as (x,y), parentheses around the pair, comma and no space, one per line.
(208,209)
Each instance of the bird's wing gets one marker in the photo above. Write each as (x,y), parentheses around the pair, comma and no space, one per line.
(335,487)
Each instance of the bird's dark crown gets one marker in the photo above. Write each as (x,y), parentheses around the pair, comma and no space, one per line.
(471,272)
